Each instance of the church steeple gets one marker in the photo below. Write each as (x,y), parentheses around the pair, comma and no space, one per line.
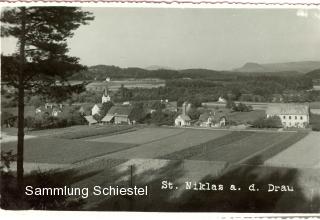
(105,96)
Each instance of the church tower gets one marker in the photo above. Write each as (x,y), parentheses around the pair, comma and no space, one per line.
(105,97)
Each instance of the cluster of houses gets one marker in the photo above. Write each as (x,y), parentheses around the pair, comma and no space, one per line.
(119,113)
(291,115)
(207,119)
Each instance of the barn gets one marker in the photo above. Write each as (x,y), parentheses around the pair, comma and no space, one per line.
(120,114)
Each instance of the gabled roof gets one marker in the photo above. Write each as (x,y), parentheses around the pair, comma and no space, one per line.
(98,104)
(120,110)
(90,119)
(216,116)
(184,117)
(204,116)
(288,109)
(107,118)
(172,104)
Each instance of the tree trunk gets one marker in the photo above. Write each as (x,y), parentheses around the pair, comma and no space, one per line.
(21,104)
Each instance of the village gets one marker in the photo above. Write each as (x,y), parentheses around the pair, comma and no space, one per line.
(210,114)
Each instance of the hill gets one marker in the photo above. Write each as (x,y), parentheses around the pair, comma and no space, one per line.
(156,67)
(315,74)
(297,67)
(100,72)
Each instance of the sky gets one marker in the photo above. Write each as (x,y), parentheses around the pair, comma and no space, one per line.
(177,38)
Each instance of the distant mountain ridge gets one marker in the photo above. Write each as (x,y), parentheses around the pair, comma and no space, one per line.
(299,67)
(156,67)
(101,72)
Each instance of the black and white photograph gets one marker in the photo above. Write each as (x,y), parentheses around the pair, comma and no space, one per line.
(160,109)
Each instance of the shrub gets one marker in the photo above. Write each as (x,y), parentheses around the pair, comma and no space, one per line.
(271,122)
(241,107)
(316,127)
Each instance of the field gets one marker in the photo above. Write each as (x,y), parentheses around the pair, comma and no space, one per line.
(149,155)
(237,147)
(75,132)
(70,145)
(63,151)
(140,136)
(157,148)
(304,153)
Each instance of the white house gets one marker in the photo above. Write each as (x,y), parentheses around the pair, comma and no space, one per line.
(222,100)
(96,109)
(182,120)
(291,115)
(215,119)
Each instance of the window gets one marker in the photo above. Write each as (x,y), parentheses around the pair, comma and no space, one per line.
(289,117)
(301,117)
(284,117)
(295,117)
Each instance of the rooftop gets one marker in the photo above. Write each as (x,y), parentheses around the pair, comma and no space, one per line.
(287,109)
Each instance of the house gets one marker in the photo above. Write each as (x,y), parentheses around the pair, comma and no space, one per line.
(52,105)
(84,108)
(215,119)
(183,119)
(96,109)
(291,115)
(222,100)
(55,111)
(90,120)
(49,110)
(119,114)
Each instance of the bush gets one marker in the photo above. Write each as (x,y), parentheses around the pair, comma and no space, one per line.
(316,127)
(8,119)
(271,122)
(315,122)
(241,107)
(161,118)
(45,121)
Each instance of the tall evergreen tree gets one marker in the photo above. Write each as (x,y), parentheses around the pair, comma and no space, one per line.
(41,64)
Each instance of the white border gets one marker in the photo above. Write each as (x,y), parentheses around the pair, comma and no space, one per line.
(258,4)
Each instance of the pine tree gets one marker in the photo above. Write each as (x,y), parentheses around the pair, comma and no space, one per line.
(41,65)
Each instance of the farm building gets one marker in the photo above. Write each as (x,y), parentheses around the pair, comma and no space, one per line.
(84,108)
(119,115)
(183,119)
(291,115)
(90,120)
(216,119)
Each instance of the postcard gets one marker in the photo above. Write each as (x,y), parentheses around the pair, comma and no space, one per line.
(161,108)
